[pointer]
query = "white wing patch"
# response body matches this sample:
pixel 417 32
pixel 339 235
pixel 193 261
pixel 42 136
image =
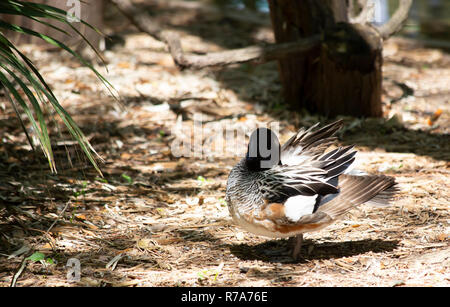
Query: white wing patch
pixel 297 206
pixel 292 155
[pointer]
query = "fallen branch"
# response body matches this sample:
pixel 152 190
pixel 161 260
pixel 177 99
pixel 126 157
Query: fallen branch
pixel 259 54
pixel 395 23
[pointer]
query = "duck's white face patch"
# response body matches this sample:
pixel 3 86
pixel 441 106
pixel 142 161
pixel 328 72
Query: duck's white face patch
pixel 297 206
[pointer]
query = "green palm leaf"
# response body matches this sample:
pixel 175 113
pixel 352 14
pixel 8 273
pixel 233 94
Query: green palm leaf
pixel 18 72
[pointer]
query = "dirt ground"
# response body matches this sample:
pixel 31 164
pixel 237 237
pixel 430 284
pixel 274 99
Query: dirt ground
pixel 156 219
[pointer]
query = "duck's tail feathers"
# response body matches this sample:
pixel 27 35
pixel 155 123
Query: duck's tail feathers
pixel 383 199
pixel 356 190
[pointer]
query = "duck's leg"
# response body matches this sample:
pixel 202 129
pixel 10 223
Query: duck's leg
pixel 297 246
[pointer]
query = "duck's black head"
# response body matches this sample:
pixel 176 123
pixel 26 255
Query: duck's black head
pixel 263 150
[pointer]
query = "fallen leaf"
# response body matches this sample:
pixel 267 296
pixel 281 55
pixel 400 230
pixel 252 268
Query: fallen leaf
pixel 124 65
pixel 442 237
pixel 434 117
pixel 80 216
pixel 125 156
pixel 46 246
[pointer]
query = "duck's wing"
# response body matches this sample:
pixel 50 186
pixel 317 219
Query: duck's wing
pixel 308 144
pixel 282 182
pixel 313 177
pixel 354 190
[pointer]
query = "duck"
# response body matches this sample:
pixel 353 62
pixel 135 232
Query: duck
pixel 304 185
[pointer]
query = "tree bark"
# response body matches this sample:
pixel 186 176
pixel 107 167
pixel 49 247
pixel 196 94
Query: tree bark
pixel 343 75
pixel 91 12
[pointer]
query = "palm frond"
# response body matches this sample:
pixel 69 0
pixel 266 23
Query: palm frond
pixel 24 84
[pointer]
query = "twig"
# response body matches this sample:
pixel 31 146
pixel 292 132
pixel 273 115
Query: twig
pixel 113 263
pixel 57 219
pixel 21 268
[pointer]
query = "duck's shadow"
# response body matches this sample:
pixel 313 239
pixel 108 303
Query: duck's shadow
pixel 279 250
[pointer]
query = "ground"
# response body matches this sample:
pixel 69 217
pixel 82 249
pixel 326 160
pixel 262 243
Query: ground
pixel 158 219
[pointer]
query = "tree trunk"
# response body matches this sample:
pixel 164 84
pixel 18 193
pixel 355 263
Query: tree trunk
pixel 91 12
pixel 343 75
